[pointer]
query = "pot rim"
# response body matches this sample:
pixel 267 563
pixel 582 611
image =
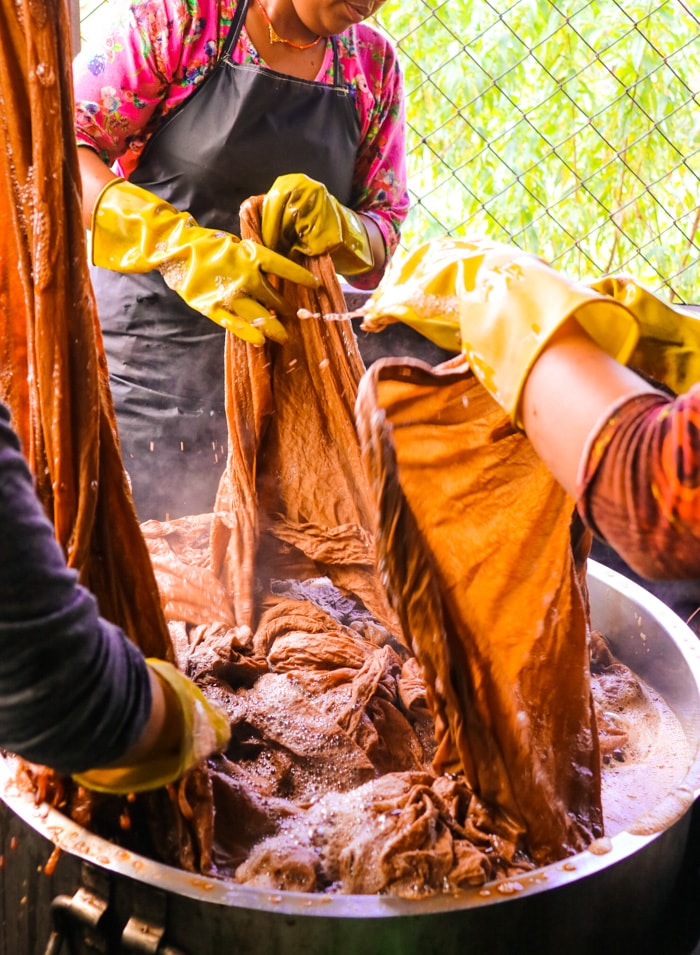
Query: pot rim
pixel 78 841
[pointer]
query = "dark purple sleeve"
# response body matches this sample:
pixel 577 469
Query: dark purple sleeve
pixel 74 691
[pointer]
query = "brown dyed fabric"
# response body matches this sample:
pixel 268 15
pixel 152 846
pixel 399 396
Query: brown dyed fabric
pixel 53 374
pixel 327 781
pixel 393 836
pixel 326 707
pixel 474 535
pixel 294 499
pixel 354 766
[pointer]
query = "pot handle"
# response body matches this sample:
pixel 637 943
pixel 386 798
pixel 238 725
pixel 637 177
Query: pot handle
pixel 85 910
pixel 142 936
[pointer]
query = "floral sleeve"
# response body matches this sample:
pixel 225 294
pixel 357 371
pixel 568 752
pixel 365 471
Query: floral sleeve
pixel 151 54
pixel 137 67
pixel 380 186
pixel 639 488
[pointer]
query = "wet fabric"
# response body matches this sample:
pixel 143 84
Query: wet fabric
pixel 327 782
pixel 325 698
pixel 393 836
pixel 475 540
pixel 294 500
pixel 52 368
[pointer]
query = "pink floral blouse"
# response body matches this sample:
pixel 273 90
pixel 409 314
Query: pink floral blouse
pixel 153 53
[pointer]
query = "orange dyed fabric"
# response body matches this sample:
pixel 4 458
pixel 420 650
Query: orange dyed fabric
pixel 475 542
pixel 53 374
pixel 294 500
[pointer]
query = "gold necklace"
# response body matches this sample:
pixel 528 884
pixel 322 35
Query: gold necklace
pixel 276 38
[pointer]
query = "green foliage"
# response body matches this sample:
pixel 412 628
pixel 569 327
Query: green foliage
pixel 569 128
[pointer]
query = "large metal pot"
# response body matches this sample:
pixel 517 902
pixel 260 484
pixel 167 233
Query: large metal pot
pixel 110 900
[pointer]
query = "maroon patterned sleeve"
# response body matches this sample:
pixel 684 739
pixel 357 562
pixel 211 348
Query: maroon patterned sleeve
pixel 639 486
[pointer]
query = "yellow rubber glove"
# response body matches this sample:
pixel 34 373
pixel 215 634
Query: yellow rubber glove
pixel 423 290
pixel 216 273
pixel 202 729
pixel 668 349
pixel 499 306
pixel 300 215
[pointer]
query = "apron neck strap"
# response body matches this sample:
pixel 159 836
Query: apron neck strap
pixel 235 30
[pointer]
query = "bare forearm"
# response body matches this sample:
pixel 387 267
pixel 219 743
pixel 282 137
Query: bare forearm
pixel 150 739
pixel 95 175
pixel 566 395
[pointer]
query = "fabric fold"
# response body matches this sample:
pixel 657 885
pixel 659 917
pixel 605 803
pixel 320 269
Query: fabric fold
pixel 474 537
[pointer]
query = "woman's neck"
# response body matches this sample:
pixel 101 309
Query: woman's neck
pixel 282 40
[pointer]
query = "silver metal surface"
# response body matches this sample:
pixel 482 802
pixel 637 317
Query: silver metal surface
pixel 590 902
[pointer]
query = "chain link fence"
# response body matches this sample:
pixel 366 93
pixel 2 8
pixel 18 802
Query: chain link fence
pixel 568 127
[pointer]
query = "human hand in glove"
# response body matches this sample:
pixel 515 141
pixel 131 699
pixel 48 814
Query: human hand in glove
pixel 215 272
pixel 499 306
pixel 668 349
pixel 300 215
pixel 193 728
pixel 423 291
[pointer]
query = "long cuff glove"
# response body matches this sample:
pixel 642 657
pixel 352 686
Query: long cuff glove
pixel 203 729
pixel 668 349
pixel 423 291
pixel 497 305
pixel 216 273
pixel 300 215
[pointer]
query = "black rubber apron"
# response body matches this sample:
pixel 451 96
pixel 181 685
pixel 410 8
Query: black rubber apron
pixel 244 126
